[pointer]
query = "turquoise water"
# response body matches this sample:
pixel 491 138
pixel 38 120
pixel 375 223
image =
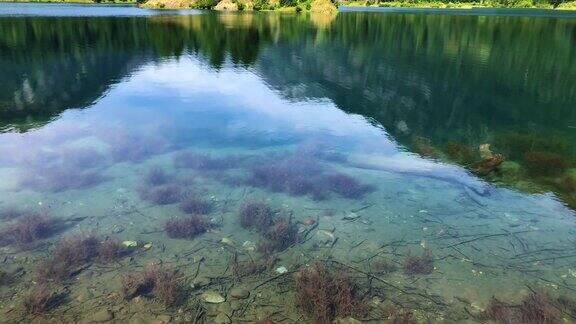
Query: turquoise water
pixel 342 124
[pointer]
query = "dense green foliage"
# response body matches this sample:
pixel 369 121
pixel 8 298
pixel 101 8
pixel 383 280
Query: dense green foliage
pixel 466 3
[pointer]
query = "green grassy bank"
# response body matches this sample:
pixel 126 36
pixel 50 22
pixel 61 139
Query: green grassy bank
pixel 541 4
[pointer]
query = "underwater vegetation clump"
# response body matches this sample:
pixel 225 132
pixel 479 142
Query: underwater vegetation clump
pixel 246 268
pixel 163 283
pixel 324 295
pixel 192 204
pixel 111 249
pixel 280 236
pixel 205 162
pixel 126 147
pixel 423 147
pixel 41 299
pixel 399 315
pixel 537 307
pixel 382 266
pixel 294 176
pixel 419 265
pixel 70 253
pixel 186 228
pixel 28 229
pixel 155 176
pixel 10 213
pixel 461 153
pixel 545 163
pixel 347 186
pixel 73 252
pixel 69 169
pixel 516 144
pixel 62 178
pixel 300 176
pixel 165 194
pixel 256 215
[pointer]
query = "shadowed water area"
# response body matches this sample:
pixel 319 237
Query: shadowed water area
pixel 198 167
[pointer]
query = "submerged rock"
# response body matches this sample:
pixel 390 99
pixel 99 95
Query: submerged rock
pixel 239 293
pixel 103 315
pixel 281 270
pixel 351 217
pixel 227 241
pixel 212 297
pixel 130 244
pixel 489 162
pixel 325 237
pixel 222 318
pixel 249 246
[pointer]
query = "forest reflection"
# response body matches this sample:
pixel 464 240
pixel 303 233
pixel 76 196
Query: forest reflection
pixel 441 85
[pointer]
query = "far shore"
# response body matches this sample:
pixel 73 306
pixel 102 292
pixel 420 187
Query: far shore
pixel 345 6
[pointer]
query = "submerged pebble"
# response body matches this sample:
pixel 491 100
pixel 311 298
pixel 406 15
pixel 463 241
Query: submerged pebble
pixel 281 270
pixel 249 246
pixel 103 315
pixel 130 243
pixel 325 237
pixel 227 241
pixel 239 293
pixel 351 216
pixel 222 318
pixel 212 297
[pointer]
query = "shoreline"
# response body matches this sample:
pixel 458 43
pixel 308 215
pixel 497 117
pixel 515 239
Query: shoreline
pixel 395 6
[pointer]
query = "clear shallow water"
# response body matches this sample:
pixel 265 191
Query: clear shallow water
pixel 286 110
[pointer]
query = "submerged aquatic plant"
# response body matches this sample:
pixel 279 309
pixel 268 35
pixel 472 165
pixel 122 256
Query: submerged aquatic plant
pixel 299 176
pixel 41 299
pixel 383 266
pixel 498 312
pixel 187 227
pixel 245 268
pixel 168 287
pixel 76 249
pixel 133 147
pixel 155 176
pixel 162 195
pixel 61 178
pixel 165 284
pixel 11 212
pixel 396 315
pixel 417 265
pixel 82 158
pixel 545 163
pixel 537 307
pixel 324 295
pixel 111 249
pixel 72 252
pixel 280 236
pixel 192 204
pixel 461 153
pixel 346 186
pixel 28 229
pixel 256 215
pixel 295 176
pixel 205 162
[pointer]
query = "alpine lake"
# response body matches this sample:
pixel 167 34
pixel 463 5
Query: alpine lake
pixel 401 166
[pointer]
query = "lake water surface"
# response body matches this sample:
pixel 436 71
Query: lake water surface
pixel 368 133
